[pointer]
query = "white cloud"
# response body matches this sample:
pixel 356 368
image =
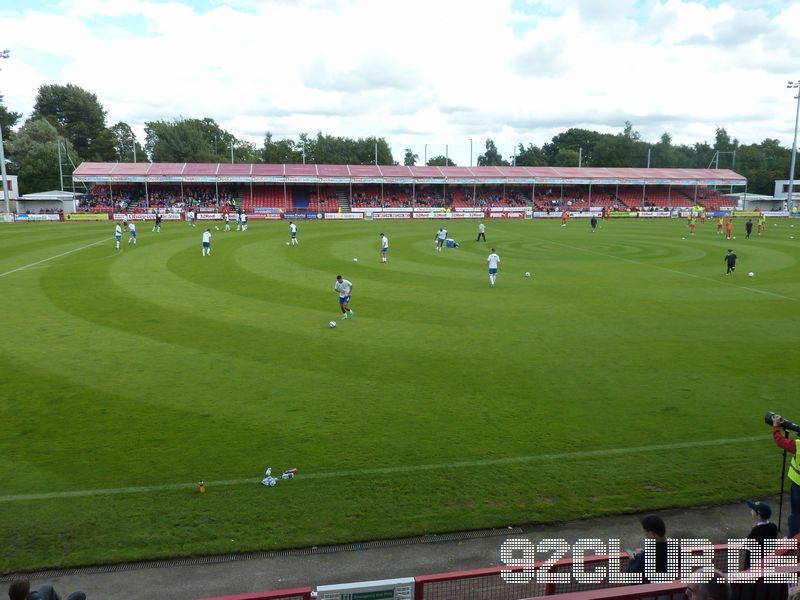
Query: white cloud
pixel 420 72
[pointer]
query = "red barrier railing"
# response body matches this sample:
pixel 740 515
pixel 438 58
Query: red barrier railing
pixel 662 591
pixel 303 593
pixel 476 583
pixel 676 591
pixel 490 584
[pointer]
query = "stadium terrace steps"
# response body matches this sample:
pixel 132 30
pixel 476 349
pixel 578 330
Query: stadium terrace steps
pixel 266 197
pixel 343 201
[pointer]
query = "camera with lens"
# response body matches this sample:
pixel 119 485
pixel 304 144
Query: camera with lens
pixel 785 424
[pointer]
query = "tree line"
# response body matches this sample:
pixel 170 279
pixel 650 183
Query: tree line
pixel 77 118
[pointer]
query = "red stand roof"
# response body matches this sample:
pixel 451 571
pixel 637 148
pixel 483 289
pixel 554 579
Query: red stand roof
pixel 344 174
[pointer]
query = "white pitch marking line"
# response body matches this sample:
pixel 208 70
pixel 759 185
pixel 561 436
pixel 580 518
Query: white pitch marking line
pixel 636 262
pixel 38 262
pixel 489 462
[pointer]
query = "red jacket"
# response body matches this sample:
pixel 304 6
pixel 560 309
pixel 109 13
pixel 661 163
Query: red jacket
pixel 784 443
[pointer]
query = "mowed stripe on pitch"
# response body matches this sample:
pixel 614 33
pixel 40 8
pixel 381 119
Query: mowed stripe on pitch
pixel 490 462
pixel 38 262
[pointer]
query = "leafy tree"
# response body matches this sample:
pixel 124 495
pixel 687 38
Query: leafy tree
pixel 178 141
pixel 125 142
pixel 78 116
pixel 703 153
pixel 34 156
pixel 582 141
pixel 532 156
pixel 221 140
pixel 629 133
pixel 630 150
pixel 306 146
pixel 103 146
pixel 762 164
pixel 245 152
pixel 440 161
pixel 410 158
pixel 8 119
pixel 279 152
pixel 39 172
pixel 609 152
pixel 723 142
pixel 326 149
pixel 491 158
pixel 567 158
pixel 366 151
pixel 35 132
pixel 188 140
pixel 662 153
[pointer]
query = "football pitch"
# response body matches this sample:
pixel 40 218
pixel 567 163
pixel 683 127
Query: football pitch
pixel 628 373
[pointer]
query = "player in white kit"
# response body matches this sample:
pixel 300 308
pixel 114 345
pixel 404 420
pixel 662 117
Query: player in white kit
pixel 343 286
pixel 441 236
pixel 493 262
pixel 384 247
pixel 207 242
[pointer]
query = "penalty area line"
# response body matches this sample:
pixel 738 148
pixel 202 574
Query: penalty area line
pixel 489 462
pixel 38 262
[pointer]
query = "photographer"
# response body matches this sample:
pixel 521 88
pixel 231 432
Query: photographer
pixel 789 446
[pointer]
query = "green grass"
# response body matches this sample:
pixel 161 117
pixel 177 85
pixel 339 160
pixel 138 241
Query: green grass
pixel 154 366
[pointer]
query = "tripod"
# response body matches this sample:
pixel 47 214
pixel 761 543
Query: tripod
pixel 783 482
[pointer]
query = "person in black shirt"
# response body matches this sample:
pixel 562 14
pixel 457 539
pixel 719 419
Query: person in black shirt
pixel 763 529
pixel 654 528
pixel 748 227
pixel 730 258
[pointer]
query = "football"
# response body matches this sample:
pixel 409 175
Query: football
pixel 332 324
pixel 355 260
pixel 287 243
pixel 527 274
pixel 751 274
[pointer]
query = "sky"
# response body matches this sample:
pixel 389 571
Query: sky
pixel 424 74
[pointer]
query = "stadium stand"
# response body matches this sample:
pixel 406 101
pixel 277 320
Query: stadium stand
pixel 477 197
pixel 266 197
pixel 323 200
pixel 711 199
pixel 133 198
pixel 331 188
